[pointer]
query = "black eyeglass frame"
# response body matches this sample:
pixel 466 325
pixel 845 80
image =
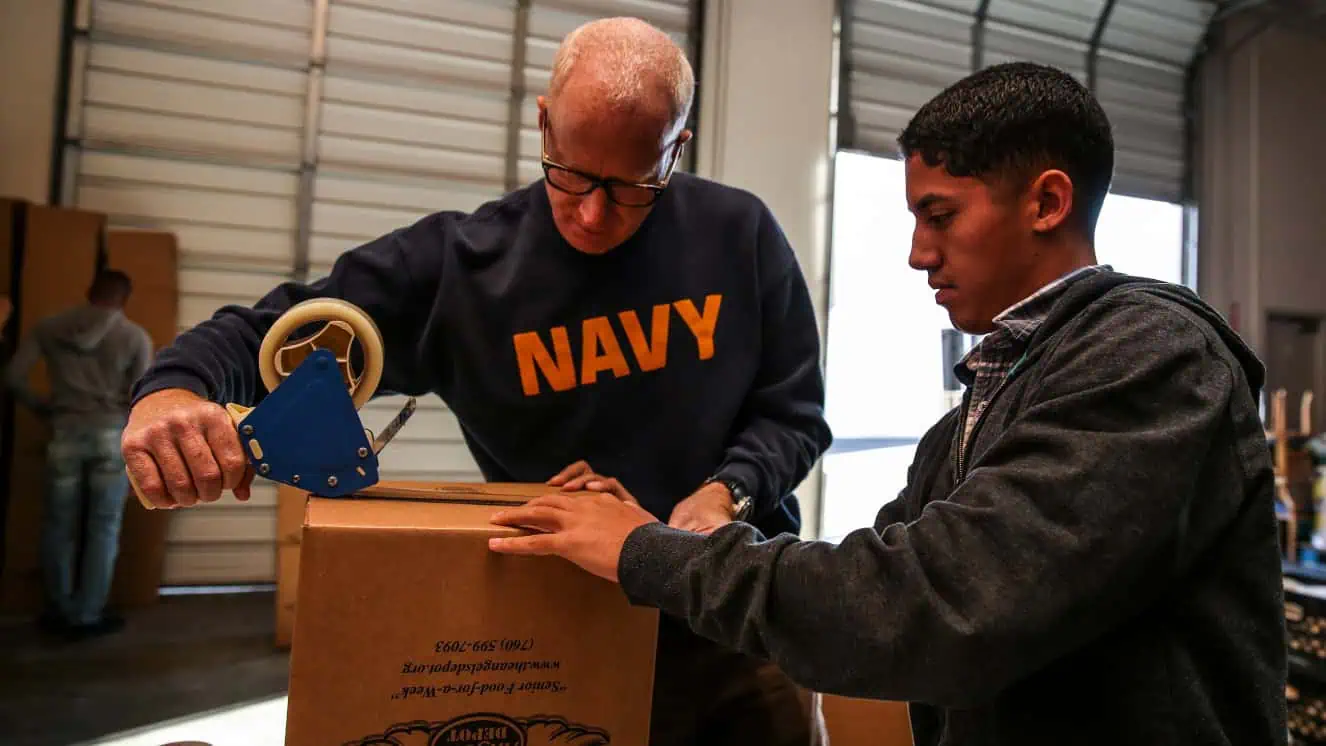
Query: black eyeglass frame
pixel 655 188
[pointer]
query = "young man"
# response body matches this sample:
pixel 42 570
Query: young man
pixel 1085 551
pixel 93 355
pixel 653 325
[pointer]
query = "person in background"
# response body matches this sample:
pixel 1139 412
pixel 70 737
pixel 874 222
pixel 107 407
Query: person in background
pixel 1085 551
pixel 93 355
pixel 616 316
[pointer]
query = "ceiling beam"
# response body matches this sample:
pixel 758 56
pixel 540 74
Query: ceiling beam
pixel 978 35
pixel 1093 46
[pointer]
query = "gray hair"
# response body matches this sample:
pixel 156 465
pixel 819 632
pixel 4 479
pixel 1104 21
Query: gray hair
pixel 630 57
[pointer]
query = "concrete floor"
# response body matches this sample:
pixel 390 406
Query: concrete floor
pixel 185 656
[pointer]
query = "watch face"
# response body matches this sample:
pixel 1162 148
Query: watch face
pixel 743 508
pixel 741 499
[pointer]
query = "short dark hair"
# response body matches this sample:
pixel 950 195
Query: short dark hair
pixel 1012 121
pixel 111 285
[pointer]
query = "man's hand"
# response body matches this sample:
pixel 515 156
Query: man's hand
pixel 588 529
pixel 573 477
pixel 181 450
pixel 708 509
pixel 581 476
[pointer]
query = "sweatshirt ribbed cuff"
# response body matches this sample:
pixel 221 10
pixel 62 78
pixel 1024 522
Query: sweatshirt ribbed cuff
pixel 170 380
pixel 749 476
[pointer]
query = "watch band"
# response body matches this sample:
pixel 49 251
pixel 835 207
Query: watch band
pixel 742 501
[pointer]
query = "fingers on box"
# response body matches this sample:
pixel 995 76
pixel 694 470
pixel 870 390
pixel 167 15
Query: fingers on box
pixel 577 471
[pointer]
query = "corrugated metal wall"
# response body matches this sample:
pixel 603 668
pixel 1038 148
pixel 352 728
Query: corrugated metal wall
pixel 1133 54
pixel 1262 156
pixel 271 135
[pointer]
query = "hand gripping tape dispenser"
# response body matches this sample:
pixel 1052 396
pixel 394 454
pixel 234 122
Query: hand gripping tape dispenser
pixel 306 432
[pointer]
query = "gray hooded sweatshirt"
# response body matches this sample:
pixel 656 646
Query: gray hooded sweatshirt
pixel 93 356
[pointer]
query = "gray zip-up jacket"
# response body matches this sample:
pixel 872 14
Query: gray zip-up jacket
pixel 93 356
pixel 1104 571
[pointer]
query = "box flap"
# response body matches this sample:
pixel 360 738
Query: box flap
pixel 427 506
pixel 487 493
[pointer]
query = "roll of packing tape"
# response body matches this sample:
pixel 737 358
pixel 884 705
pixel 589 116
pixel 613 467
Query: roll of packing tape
pixel 328 310
pixel 275 344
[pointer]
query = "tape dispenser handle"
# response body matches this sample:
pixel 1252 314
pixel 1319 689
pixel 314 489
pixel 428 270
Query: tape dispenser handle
pixel 275 343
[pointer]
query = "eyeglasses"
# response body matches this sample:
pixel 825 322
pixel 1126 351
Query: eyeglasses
pixel 579 183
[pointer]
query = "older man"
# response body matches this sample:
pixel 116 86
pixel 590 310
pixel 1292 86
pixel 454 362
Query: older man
pixel 616 314
pixel 1085 551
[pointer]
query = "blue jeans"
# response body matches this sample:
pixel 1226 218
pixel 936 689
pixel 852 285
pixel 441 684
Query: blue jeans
pixel 85 482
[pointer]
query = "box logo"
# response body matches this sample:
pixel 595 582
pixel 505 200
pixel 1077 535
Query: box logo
pixel 480 730
pixel 489 729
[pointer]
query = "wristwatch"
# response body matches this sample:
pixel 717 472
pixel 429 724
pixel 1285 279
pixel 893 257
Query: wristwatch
pixel 742 502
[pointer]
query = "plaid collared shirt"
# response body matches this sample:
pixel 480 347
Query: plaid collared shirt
pixel 985 367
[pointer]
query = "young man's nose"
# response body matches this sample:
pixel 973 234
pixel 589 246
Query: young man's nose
pixel 923 256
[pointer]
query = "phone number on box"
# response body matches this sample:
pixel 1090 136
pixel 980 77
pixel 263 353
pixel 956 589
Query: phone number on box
pixel 483 646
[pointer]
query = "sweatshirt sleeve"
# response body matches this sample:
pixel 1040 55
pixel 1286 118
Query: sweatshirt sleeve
pixel 1069 524
pixel 781 430
pixel 20 367
pixel 391 278
pixel 141 355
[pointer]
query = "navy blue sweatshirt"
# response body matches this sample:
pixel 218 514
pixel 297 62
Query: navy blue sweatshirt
pixel 690 350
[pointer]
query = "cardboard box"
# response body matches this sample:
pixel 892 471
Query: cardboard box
pixel 55 250
pixel 290 506
pixel 290 503
pixel 410 630
pixel 287 581
pixel 865 722
pixel 150 258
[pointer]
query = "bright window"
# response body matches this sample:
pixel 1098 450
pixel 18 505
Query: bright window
pixel 1142 237
pixel 885 364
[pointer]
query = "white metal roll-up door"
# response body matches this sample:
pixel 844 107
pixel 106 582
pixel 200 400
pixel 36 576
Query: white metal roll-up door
pixel 897 54
pixel 412 119
pixel 187 116
pixel 272 135
pixel 1140 81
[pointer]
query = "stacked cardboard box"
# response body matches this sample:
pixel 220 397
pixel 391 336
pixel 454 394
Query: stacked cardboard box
pixel 56 251
pixel 151 259
pixel 48 256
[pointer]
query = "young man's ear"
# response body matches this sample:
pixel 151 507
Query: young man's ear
pixel 1050 200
